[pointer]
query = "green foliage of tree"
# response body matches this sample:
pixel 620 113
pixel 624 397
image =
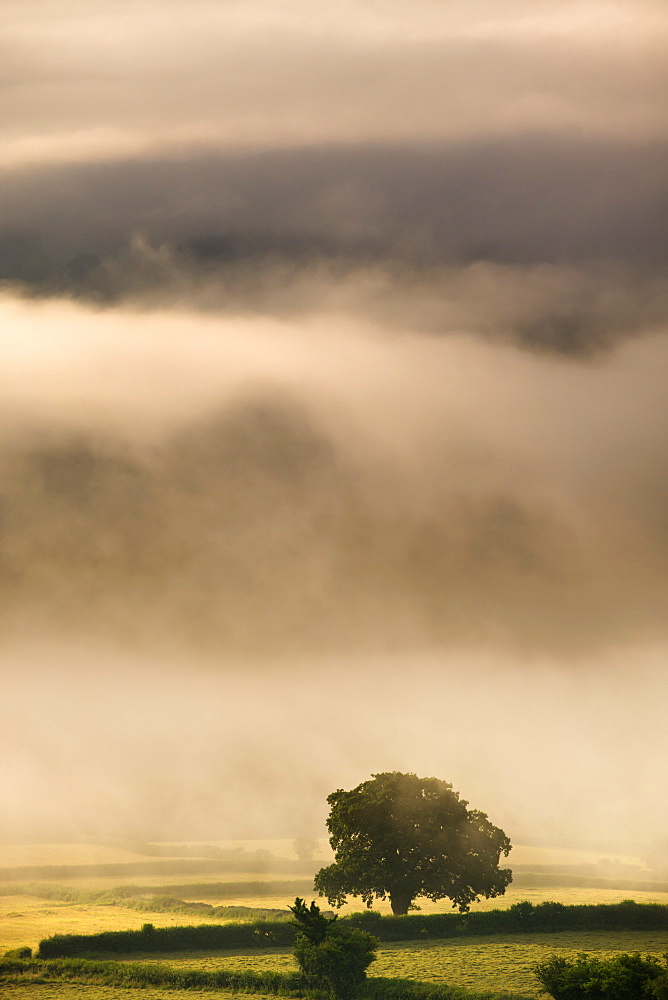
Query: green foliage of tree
pixel 624 977
pixel 331 957
pixel 401 836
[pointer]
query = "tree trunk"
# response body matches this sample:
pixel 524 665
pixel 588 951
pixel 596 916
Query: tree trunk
pixel 400 901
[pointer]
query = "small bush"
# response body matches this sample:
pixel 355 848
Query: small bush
pixel 331 956
pixel 660 986
pixel 624 977
pixel 337 964
pixel 19 953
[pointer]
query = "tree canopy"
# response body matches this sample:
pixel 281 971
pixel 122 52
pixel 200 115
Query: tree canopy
pixel 400 836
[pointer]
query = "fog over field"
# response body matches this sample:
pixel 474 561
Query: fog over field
pixel 333 413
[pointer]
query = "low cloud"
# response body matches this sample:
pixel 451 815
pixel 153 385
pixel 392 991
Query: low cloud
pixel 333 398
pixel 553 243
pixel 93 81
pixel 284 486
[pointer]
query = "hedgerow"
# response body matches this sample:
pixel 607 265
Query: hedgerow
pixel 522 918
pixel 207 937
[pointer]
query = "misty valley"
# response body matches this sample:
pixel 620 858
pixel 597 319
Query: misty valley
pixel 226 910
pixel 333 469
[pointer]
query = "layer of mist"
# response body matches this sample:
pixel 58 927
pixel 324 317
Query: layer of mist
pixel 332 413
pixel 262 487
pixel 108 744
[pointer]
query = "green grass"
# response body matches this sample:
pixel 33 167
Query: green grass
pixel 498 965
pixel 25 920
pixel 490 963
pixel 82 991
pixel 501 962
pixel 569 895
pixel 504 962
pixel 200 981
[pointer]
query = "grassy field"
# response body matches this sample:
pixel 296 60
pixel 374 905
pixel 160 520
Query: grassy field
pixel 514 894
pixel 79 991
pixel 499 962
pixel 25 920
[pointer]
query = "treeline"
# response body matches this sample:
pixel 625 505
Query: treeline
pixel 544 878
pixel 212 890
pixel 129 898
pixel 121 893
pixel 567 880
pixel 175 866
pixel 521 918
pixel 286 984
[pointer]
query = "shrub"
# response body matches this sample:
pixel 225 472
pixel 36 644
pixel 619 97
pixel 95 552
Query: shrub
pixel 660 986
pixel 331 956
pixel 19 953
pixel 338 963
pixel 624 977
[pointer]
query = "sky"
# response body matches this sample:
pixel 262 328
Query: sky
pixel 332 413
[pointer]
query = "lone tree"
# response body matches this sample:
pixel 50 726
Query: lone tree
pixel 401 836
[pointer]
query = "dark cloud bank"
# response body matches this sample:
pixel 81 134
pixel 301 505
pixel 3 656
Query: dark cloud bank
pixel 556 242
